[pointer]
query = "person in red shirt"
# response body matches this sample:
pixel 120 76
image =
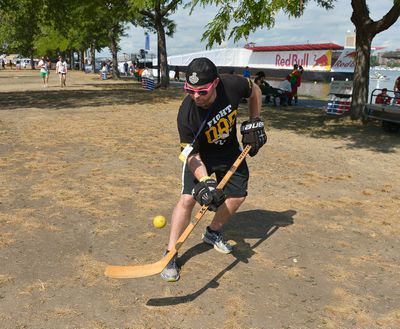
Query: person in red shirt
pixel 383 97
pixel 396 89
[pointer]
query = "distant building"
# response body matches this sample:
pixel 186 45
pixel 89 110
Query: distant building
pixel 390 58
pixel 350 40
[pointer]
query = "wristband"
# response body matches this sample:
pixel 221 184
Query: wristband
pixel 204 178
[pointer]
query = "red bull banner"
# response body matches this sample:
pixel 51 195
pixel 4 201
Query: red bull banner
pixel 313 60
pixel 345 62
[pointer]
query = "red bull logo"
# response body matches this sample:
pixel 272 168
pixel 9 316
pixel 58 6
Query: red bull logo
pixel 353 54
pixel 291 59
pixel 344 64
pixel 346 61
pixel 321 61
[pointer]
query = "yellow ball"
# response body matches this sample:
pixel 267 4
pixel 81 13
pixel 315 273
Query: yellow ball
pixel 159 221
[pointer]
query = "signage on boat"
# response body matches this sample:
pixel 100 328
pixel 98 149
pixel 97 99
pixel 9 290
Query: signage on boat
pixel 313 60
pixel 345 62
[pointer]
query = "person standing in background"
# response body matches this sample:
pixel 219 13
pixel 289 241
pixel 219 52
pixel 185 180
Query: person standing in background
pixel 295 81
pixel 246 72
pixel 61 69
pixel 396 90
pixel 44 71
pixel 126 68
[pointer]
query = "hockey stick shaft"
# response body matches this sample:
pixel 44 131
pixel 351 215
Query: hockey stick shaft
pixel 138 271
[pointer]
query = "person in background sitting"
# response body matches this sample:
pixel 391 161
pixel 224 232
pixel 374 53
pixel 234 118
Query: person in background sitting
pixel 383 97
pixel 266 89
pixel 286 87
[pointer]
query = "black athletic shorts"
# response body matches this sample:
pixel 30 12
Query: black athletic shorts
pixel 235 187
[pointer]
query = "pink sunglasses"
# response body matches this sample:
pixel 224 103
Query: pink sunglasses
pixel 201 92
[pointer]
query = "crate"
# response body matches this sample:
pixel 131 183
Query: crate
pixel 338 106
pixel 148 83
pixel 340 101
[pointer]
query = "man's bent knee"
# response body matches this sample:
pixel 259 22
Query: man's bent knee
pixel 237 201
pixel 187 201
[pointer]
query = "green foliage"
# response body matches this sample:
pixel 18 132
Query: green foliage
pixel 154 16
pixel 239 18
pixel 393 63
pixel 148 23
pixel 49 41
pixel 22 18
pixel 50 26
pixel 374 61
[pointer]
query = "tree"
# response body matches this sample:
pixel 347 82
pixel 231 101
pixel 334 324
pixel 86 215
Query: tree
pixel 366 30
pixel 99 23
pixel 22 19
pixel 243 17
pixel 163 28
pixel 86 24
pixel 156 13
pixel 89 24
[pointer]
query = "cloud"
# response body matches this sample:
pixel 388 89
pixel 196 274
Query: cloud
pixel 317 25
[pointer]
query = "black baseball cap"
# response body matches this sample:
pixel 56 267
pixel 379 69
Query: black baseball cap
pixel 201 71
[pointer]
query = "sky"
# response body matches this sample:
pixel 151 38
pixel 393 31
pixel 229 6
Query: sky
pixel 317 25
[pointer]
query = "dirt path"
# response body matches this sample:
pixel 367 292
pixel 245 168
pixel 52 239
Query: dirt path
pixel 85 169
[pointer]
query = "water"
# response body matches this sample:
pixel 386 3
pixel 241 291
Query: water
pixel 389 84
pixel 320 90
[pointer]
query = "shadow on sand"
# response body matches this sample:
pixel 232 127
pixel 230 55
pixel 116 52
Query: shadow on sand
pixel 312 120
pixel 252 224
pixel 126 93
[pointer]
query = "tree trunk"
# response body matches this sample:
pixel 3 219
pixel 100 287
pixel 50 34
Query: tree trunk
pixel 32 61
pixel 93 56
pixel 114 53
pixel 162 47
pixel 361 73
pixel 366 29
pixel 83 57
pixel 158 66
pixel 71 59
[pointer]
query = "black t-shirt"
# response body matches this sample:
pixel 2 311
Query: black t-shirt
pixel 218 136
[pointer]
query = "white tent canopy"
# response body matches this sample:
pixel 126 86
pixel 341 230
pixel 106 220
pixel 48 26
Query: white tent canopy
pixel 311 60
pixel 236 57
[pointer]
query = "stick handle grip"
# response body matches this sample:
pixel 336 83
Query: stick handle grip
pixel 233 168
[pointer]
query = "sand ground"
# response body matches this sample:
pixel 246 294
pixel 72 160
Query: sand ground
pixel 84 170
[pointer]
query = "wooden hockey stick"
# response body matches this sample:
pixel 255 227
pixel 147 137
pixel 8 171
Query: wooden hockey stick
pixel 139 271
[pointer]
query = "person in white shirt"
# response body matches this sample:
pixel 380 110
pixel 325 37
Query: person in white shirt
pixel 286 88
pixel 44 71
pixel 61 69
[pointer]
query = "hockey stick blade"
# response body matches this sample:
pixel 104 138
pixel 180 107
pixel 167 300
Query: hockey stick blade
pixel 136 271
pixel 139 271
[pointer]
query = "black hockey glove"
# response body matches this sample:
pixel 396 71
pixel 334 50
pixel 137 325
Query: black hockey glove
pixel 253 134
pixel 206 193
